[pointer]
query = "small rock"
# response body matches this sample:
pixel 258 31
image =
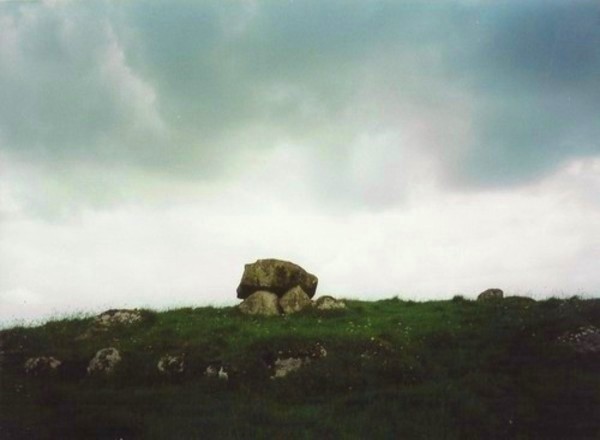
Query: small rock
pixel 285 366
pixel 117 316
pixel 41 365
pixel 490 294
pixel 217 370
pixel 105 361
pixel 287 361
pixel 260 303
pixel 277 276
pixel 317 351
pixel 584 340
pixel 114 317
pixel 294 300
pixel 329 303
pixel 171 365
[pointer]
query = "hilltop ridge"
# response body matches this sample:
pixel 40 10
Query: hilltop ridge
pixel 508 368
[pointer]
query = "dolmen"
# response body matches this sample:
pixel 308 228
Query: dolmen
pixel 275 287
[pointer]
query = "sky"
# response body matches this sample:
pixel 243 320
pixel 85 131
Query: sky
pixel 149 149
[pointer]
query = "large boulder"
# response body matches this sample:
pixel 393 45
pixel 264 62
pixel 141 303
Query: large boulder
pixel 490 294
pixel 277 276
pixel 294 300
pixel 260 303
pixel 105 361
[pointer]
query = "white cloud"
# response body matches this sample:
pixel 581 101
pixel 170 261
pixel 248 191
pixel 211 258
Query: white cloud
pixel 538 240
pixel 149 150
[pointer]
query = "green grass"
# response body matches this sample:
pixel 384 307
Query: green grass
pixel 453 369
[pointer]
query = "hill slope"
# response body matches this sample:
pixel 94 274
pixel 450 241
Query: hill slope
pixel 389 369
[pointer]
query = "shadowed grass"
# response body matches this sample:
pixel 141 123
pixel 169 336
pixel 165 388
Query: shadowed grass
pixel 394 369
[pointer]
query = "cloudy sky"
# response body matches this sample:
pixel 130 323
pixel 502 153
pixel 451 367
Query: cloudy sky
pixel 148 149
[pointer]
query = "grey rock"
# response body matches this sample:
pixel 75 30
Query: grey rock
pixel 490 294
pixel 117 316
pixel 41 365
pixel 584 340
pixel 260 303
pixel 105 361
pixel 218 371
pixel 290 360
pixel 294 300
pixel 329 303
pixel 276 276
pixel 171 365
pixel 285 366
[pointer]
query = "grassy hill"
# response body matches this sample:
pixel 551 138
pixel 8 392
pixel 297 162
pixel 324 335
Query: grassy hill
pixel 454 369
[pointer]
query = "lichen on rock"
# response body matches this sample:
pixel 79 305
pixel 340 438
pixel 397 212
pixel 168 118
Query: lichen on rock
pixel 327 302
pixel 260 303
pixel 276 276
pixel 490 295
pixel 584 340
pixel 171 365
pixel 294 300
pixel 41 365
pixel 118 316
pixel 105 361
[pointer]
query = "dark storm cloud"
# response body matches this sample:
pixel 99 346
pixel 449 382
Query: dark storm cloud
pixel 538 78
pixel 183 87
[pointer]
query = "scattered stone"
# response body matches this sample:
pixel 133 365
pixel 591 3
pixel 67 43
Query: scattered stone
pixel 490 294
pixel 171 365
pixel 294 300
pixel 217 370
pixel 277 276
pixel 118 316
pixel 41 366
pixel 585 340
pixel 329 303
pixel 287 361
pixel 285 366
pixel 260 303
pixel 105 361
pixel 114 317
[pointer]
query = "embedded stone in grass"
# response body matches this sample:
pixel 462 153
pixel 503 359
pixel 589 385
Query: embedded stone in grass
pixel 490 294
pixel 118 316
pixel 585 340
pixel 288 361
pixel 41 365
pixel 105 361
pixel 113 317
pixel 294 300
pixel 217 370
pixel 171 365
pixel 285 366
pixel 260 303
pixel 327 302
pixel 276 276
